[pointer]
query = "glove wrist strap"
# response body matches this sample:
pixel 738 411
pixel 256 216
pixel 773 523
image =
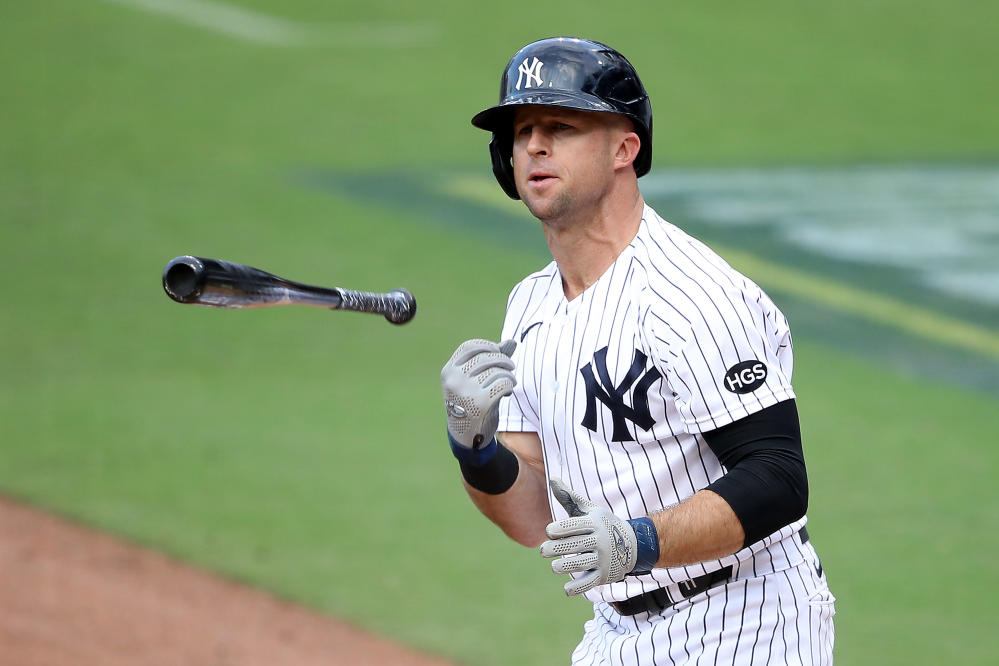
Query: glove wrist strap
pixel 648 545
pixel 472 457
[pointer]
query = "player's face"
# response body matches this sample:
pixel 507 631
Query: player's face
pixel 563 160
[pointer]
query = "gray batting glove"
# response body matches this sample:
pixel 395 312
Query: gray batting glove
pixel 478 374
pixel 591 539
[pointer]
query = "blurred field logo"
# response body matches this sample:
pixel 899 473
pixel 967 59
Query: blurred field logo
pixel 532 71
pixel 937 225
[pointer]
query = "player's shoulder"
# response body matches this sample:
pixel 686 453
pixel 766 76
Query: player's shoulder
pixel 680 261
pixel 678 254
pixel 688 280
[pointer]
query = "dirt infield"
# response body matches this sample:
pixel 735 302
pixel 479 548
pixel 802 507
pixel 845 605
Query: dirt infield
pixel 69 595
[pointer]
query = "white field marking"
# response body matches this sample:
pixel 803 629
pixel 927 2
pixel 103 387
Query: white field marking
pixel 260 28
pixel 762 200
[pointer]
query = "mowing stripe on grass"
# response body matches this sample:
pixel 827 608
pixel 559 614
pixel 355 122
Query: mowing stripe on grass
pixel 377 33
pixel 879 308
pixel 260 28
pixel 227 19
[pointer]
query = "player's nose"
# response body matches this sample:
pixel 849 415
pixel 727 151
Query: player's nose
pixel 539 143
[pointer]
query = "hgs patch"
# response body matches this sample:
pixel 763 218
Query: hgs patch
pixel 745 377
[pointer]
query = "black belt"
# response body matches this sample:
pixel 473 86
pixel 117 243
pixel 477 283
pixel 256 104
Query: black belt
pixel 661 599
pixel 657 600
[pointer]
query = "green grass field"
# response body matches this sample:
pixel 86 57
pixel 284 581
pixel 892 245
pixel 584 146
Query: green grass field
pixel 303 451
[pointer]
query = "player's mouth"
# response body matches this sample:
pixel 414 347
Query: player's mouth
pixel 540 178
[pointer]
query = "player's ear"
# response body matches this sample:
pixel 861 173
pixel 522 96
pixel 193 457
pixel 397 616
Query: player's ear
pixel 627 144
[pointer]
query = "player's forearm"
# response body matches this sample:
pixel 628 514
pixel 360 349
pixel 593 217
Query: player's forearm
pixel 522 512
pixel 704 527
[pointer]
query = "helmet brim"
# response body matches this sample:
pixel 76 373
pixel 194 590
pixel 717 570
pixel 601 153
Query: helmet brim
pixel 498 119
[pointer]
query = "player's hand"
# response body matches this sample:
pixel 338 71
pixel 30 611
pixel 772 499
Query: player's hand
pixel 477 375
pixel 591 539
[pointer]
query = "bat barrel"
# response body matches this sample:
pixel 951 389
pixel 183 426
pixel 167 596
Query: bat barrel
pixel 184 278
pixel 223 284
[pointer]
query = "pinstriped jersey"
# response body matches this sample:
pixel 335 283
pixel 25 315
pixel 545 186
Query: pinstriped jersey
pixel 621 382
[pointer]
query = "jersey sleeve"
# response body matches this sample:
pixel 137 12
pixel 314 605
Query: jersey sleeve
pixel 726 355
pixel 515 412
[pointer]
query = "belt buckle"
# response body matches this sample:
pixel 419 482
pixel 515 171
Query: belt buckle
pixel 689 588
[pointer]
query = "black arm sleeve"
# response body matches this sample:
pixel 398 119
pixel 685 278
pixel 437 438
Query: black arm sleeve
pixel 766 484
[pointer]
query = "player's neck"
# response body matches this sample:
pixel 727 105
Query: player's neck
pixel 585 247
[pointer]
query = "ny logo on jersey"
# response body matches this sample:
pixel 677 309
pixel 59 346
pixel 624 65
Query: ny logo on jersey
pixel 613 396
pixel 532 71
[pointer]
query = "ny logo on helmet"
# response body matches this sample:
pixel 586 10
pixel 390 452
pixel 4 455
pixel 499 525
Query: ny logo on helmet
pixel 532 71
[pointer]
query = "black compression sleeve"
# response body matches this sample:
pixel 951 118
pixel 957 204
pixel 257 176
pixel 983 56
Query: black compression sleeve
pixel 497 475
pixel 766 484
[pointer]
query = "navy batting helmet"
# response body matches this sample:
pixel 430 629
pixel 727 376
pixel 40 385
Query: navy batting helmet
pixel 572 73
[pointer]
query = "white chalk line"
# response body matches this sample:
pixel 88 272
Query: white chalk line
pixel 264 29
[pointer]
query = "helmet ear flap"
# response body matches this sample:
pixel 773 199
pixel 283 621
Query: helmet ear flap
pixel 501 152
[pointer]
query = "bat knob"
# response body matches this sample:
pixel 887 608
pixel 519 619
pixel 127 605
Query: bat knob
pixel 404 307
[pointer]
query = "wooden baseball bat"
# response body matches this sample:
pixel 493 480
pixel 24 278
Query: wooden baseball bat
pixel 224 284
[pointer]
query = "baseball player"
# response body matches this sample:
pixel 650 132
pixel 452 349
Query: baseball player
pixel 637 421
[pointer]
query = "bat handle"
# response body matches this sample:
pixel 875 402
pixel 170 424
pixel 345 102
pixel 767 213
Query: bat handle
pixel 398 305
